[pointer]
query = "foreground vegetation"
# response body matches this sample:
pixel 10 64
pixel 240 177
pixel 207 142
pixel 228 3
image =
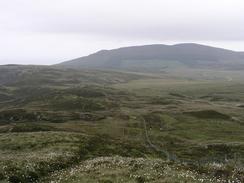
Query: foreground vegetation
pixel 72 126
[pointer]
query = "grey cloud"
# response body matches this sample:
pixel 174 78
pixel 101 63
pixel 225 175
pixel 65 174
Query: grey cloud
pixel 89 24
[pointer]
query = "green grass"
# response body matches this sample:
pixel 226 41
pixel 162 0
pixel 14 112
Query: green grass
pixel 208 114
pixel 72 119
pixel 25 157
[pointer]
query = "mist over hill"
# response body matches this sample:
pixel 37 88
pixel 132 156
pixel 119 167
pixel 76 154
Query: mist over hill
pixel 159 57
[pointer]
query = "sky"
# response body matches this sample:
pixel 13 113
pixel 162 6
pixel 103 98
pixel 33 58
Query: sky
pixel 52 31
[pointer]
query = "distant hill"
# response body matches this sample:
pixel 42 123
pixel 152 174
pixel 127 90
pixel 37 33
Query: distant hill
pixel 30 75
pixel 159 57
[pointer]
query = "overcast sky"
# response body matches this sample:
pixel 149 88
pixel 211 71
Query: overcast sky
pixel 51 31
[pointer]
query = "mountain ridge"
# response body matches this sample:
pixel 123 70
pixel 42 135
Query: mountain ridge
pixel 188 54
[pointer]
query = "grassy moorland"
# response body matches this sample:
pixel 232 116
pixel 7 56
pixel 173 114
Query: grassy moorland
pixel 59 125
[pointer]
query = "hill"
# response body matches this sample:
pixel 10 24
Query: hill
pixel 34 75
pixel 160 57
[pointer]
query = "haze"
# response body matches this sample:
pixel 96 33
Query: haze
pixel 48 32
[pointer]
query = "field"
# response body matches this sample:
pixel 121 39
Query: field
pixel 69 126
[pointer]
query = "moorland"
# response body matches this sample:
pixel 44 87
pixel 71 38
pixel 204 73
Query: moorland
pixel 70 125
